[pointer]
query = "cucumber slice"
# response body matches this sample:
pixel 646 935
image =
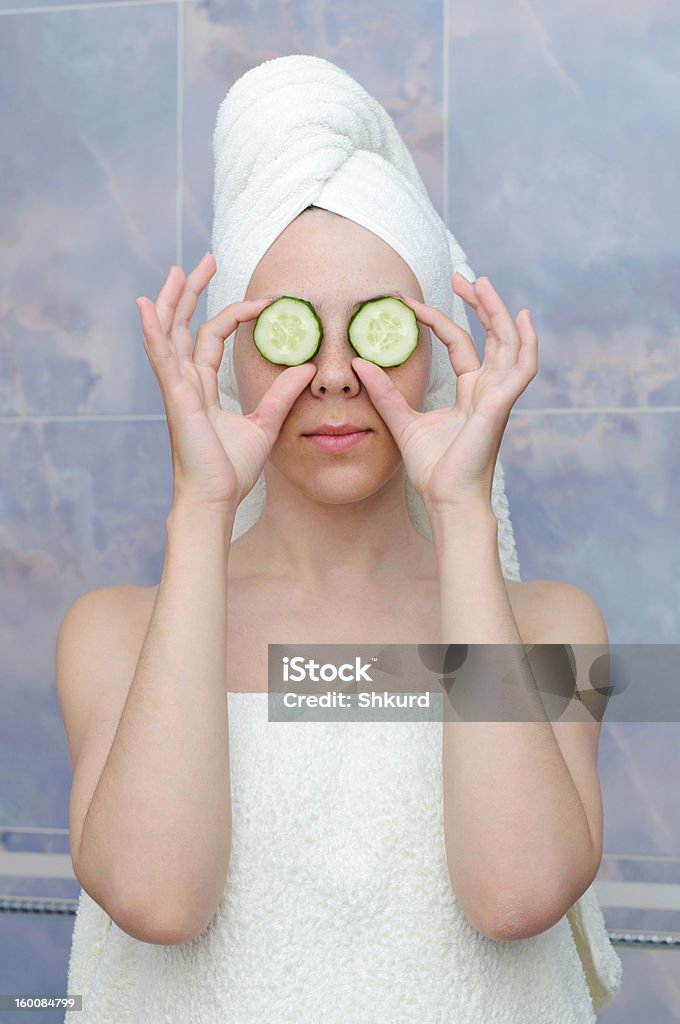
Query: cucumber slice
pixel 384 331
pixel 288 331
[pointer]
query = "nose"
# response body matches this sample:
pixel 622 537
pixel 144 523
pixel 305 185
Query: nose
pixel 334 373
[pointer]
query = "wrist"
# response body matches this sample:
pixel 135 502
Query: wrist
pixel 462 521
pixel 474 511
pixel 185 510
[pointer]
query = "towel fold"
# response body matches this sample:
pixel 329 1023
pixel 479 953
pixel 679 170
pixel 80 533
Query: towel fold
pixel 602 965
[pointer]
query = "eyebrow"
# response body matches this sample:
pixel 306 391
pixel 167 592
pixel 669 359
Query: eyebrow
pixel 350 307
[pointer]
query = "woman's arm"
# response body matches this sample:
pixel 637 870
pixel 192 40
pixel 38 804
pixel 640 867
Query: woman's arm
pixel 518 839
pixel 518 842
pixel 157 833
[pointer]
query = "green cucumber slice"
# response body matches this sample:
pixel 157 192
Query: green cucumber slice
pixel 384 331
pixel 288 331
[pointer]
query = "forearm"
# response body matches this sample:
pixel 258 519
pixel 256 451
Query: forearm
pixel 514 822
pixel 159 823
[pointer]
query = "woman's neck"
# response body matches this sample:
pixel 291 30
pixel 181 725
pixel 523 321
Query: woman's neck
pixel 339 545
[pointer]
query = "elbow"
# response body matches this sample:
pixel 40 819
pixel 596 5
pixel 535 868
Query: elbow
pixel 159 918
pixel 137 920
pixel 168 914
pixel 504 908
pixel 518 921
pixel 536 909
pixel 164 924
pixel 529 914
pixel 504 916
pixel 175 913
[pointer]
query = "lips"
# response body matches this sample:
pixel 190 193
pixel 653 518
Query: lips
pixel 338 442
pixel 331 429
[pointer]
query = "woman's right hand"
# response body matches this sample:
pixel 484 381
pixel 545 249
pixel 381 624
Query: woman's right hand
pixel 217 455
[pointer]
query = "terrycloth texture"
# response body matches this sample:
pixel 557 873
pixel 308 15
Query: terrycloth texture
pixel 338 907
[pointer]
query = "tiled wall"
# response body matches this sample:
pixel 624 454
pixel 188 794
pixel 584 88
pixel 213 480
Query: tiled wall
pixel 547 135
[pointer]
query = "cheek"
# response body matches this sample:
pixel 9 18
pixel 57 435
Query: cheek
pixel 253 374
pixel 412 377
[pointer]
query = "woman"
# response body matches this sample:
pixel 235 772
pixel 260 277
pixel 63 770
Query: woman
pixel 359 872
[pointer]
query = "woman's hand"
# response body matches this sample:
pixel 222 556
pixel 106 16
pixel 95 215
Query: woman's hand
pixel 217 454
pixel 450 453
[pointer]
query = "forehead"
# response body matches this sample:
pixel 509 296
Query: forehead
pixel 331 260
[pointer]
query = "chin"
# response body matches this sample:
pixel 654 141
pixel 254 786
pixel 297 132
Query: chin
pixel 340 495
pixel 335 478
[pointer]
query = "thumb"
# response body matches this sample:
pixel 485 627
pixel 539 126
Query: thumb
pixel 385 395
pixel 279 397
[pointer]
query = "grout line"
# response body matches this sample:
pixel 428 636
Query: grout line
pixel 46 830
pixel 91 5
pixel 160 417
pixel 105 418
pixel 660 858
pixel 585 410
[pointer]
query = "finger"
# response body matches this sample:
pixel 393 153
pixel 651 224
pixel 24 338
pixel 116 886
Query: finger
pixel 504 354
pixel 279 397
pixel 168 297
pixel 212 334
pixel 466 290
pixel 459 343
pixel 210 338
pixel 180 330
pixel 157 345
pixel 385 395
pixel 527 361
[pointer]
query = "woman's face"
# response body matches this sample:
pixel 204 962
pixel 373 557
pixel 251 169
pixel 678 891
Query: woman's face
pixel 333 263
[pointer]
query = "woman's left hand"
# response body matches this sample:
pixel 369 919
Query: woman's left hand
pixel 450 453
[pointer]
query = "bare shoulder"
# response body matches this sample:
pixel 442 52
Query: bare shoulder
pixel 523 597
pixel 107 605
pixel 143 598
pixel 104 619
pixel 554 611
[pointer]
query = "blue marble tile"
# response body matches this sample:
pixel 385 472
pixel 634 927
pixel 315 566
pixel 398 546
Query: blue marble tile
pixel 593 499
pixel 14 8
pixel 89 193
pixel 563 186
pixel 87 508
pixel 642 810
